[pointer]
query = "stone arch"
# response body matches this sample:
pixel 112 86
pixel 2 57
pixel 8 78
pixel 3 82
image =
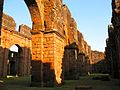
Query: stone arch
pixel 15 61
pixel 36 11
pixel 24 45
pixel 11 37
pixel 41 39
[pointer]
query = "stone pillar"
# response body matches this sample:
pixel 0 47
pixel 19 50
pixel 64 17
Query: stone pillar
pixel 37 60
pixel 81 59
pixel 24 62
pixel 58 57
pixel 47 66
pixel 70 62
pixel 28 61
pixel 48 59
pixel 47 44
pixel 1 61
pixel 5 58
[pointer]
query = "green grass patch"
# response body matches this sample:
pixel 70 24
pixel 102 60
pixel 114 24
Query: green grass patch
pixel 23 83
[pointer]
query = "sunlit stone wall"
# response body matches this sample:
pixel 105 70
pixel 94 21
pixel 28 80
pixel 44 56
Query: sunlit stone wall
pixel 10 37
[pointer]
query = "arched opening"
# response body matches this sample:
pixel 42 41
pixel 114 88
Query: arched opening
pixel 14 59
pixel 35 8
pixel 25 11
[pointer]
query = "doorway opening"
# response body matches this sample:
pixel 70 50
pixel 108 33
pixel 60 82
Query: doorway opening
pixel 14 60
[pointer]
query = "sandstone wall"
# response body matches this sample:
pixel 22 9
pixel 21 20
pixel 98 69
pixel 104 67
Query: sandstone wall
pixel 56 42
pixel 99 63
pixel 53 19
pixel 36 9
pixel 9 37
pixel 8 22
pixel 97 56
pixel 74 43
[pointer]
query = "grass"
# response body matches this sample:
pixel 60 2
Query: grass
pixel 23 83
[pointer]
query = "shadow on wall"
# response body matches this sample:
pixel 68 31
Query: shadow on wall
pixel 1 49
pixel 69 62
pixel 42 74
pixel 101 67
pixel 75 64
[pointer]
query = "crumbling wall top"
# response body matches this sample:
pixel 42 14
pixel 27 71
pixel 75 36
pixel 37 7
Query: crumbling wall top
pixel 8 22
pixel 25 30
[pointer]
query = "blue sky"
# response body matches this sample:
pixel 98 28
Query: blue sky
pixel 92 17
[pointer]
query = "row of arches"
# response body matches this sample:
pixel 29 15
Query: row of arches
pixel 38 24
pixel 16 59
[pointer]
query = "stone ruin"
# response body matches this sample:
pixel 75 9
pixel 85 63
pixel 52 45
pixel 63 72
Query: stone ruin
pixel 56 47
pixel 59 50
pixel 99 63
pixel 20 65
pixel 112 49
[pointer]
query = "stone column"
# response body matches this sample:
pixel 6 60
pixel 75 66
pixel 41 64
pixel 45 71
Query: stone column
pixel 37 59
pixel 70 62
pixel 1 61
pixel 81 59
pixel 5 59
